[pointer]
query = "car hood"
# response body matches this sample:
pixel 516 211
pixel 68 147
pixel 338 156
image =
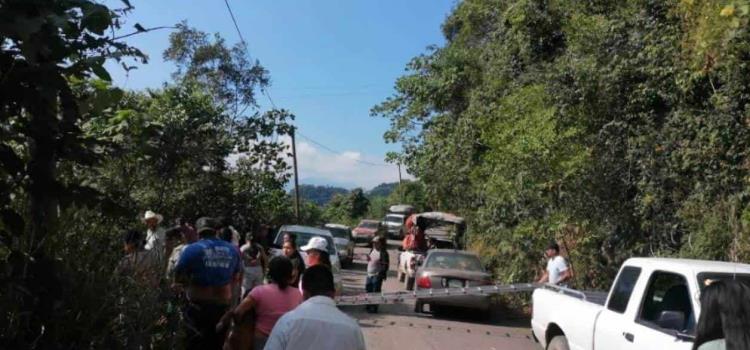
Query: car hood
pixel 455 273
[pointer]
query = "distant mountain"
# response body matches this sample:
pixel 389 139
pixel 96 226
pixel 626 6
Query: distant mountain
pixel 382 190
pixel 319 195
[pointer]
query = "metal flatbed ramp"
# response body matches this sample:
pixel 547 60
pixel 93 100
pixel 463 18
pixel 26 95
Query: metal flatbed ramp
pixel 402 296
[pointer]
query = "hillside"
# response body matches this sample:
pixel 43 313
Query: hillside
pixel 320 195
pixel 382 190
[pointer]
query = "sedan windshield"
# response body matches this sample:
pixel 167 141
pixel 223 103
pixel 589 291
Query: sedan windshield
pixel 303 238
pixel 453 261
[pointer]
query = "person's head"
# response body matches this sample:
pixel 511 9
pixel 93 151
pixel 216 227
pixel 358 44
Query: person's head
pixel 288 236
pixel 280 271
pixel 317 251
pixel 318 281
pixel 725 314
pixel 552 250
pixel 288 249
pixel 378 243
pixel 225 233
pixel 132 241
pixel 174 237
pixel 207 227
pixel 152 219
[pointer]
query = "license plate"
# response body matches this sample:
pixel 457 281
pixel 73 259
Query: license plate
pixel 455 283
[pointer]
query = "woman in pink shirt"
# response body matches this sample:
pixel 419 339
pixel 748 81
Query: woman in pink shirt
pixel 270 301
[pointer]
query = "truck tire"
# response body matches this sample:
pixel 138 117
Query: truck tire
pixel 559 342
pixel 409 283
pixel 419 306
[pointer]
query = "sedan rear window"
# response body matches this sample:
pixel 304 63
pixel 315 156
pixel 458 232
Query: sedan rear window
pixel 369 224
pixel 453 261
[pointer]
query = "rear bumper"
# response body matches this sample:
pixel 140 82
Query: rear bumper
pixel 478 302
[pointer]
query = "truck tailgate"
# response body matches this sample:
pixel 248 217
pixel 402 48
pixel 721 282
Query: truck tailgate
pixel 573 315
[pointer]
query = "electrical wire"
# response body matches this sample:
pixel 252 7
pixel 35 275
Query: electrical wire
pixel 268 95
pixel 329 149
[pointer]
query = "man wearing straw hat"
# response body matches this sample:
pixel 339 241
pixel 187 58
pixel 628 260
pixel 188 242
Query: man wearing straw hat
pixel 155 234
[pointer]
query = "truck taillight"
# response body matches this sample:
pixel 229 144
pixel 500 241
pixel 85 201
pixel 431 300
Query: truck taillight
pixel 424 282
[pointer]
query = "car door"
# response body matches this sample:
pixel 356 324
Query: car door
pixel 612 330
pixel 667 292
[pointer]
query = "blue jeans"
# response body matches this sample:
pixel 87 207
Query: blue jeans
pixel 373 284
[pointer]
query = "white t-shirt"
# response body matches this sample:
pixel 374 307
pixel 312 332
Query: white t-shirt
pixel 373 266
pixel 555 267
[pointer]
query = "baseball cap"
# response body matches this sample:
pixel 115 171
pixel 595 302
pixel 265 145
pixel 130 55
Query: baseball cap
pixel 206 224
pixel 316 243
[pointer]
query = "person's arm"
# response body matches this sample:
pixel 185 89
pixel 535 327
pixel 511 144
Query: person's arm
pixel 245 306
pixel 544 278
pixel 565 276
pixel 263 259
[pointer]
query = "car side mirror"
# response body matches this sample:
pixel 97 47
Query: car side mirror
pixel 674 320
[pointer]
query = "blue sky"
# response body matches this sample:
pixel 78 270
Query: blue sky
pixel 330 62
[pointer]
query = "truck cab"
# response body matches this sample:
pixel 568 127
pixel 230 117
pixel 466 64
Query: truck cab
pixel 653 304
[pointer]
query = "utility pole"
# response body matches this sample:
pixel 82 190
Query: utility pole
pixel 296 177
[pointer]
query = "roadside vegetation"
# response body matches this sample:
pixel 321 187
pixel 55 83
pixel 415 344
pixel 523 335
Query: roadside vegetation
pixel 619 128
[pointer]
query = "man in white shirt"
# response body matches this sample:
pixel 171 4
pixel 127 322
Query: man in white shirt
pixel 155 235
pixel 557 271
pixel 316 323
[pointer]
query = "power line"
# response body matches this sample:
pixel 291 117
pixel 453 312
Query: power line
pixel 268 95
pixel 231 14
pixel 329 149
pixel 242 39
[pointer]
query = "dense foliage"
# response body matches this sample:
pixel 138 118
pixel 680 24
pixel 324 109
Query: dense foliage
pixel 619 128
pixel 82 160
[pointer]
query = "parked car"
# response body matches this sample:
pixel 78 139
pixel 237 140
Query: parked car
pixel 344 242
pixel 303 234
pixel 395 219
pixel 367 230
pixel 653 304
pixel 444 230
pixel 448 268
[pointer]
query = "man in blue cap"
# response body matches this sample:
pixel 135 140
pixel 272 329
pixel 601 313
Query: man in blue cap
pixel 210 269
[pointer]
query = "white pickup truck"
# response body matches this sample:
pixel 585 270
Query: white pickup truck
pixel 654 304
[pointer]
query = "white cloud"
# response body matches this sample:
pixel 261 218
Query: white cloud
pixel 348 169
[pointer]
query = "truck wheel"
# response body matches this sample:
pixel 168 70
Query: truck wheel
pixel 419 307
pixel 409 283
pixel 559 342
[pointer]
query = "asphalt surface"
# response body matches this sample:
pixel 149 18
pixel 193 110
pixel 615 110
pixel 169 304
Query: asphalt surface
pixel 397 326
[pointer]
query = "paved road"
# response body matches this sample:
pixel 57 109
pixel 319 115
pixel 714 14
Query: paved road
pixel 399 327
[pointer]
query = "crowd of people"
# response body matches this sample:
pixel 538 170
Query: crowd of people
pixel 231 295
pixel 234 297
